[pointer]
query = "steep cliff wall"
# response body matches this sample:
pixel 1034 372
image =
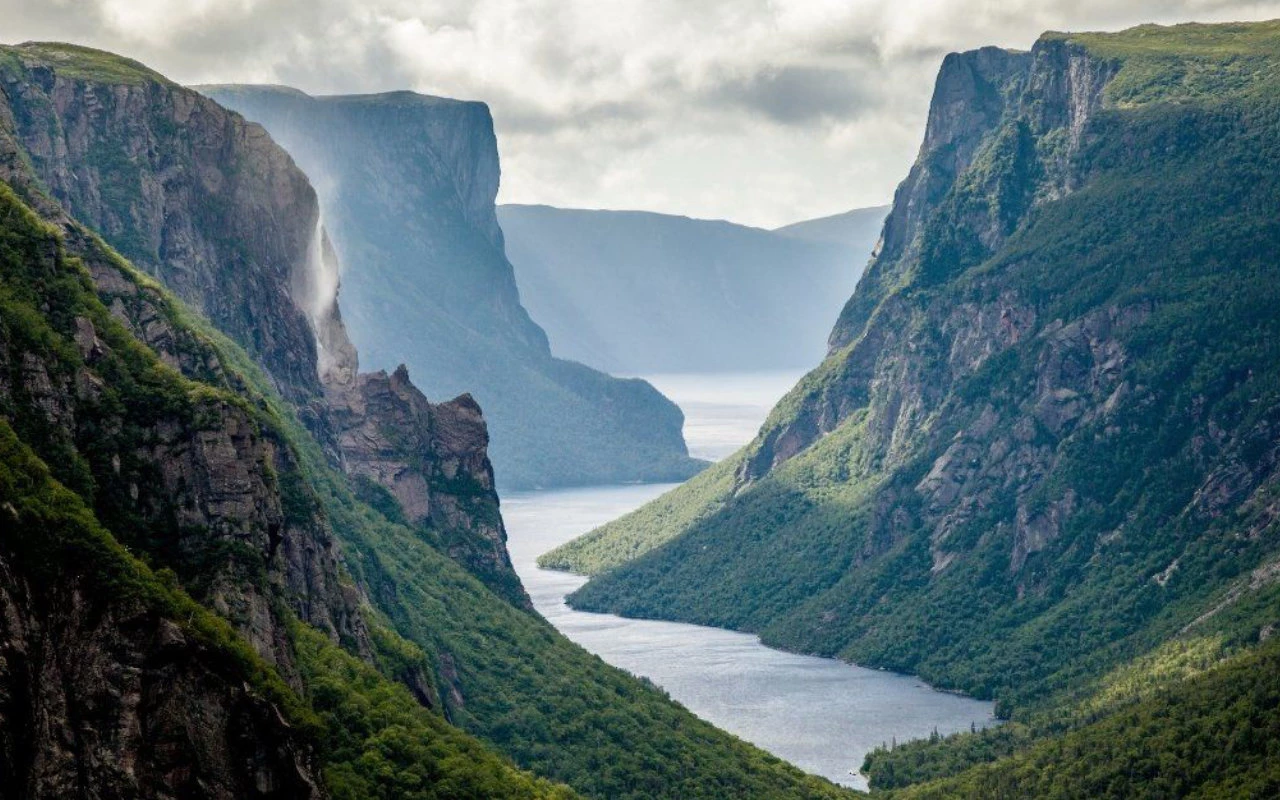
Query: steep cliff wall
pixel 112 684
pixel 186 191
pixel 194 478
pixel 1003 136
pixel 213 208
pixel 1044 438
pixel 103 660
pixel 407 183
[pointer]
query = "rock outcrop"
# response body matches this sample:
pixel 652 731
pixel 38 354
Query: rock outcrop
pixel 432 459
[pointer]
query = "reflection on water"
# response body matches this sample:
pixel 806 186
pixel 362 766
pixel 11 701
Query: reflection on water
pixel 820 714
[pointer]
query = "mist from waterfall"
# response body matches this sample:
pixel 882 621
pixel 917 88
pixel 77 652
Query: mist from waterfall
pixel 316 292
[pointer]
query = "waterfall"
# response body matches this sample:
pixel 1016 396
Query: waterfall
pixel 316 293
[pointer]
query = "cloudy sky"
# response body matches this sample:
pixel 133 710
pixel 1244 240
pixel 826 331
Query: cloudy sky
pixel 760 111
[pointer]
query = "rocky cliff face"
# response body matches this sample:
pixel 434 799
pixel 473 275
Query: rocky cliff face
pixel 188 470
pixel 100 699
pixel 1052 90
pixel 186 191
pixel 111 684
pixel 433 460
pixel 198 481
pixel 1003 136
pixel 1030 395
pixel 212 207
pixel 407 184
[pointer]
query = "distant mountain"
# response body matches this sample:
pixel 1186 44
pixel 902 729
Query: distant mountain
pixel 637 292
pixel 852 228
pixel 407 185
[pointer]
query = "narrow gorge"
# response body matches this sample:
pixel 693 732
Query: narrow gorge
pixel 290 573
pixel 299 500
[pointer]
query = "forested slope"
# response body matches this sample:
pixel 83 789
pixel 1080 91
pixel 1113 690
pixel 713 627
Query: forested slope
pixel 1044 443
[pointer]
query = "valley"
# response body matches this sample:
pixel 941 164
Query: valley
pixel 325 476
pixel 820 714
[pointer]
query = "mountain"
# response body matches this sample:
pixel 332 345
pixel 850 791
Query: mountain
pixel 233 565
pixel 852 228
pixel 642 293
pixel 1040 460
pixel 407 186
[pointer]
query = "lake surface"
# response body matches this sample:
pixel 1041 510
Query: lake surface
pixel 722 412
pixel 820 714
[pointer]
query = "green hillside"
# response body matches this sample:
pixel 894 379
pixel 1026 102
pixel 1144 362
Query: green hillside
pixel 1045 442
pixel 57 537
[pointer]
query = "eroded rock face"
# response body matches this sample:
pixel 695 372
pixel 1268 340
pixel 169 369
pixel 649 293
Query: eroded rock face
pixel 900 364
pixel 208 492
pixel 106 700
pixel 433 460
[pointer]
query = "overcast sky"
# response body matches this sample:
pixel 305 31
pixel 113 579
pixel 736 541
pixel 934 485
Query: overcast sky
pixel 759 111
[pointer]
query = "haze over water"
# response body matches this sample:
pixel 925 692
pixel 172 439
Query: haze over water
pixel 820 714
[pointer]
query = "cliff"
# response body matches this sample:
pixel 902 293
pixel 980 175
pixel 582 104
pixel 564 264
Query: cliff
pixel 1044 438
pixel 102 661
pixel 407 185
pixel 644 294
pixel 213 208
pixel 431 459
pixel 133 156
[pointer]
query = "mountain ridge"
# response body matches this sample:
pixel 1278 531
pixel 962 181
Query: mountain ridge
pixel 640 292
pixel 1042 446
pixel 857 224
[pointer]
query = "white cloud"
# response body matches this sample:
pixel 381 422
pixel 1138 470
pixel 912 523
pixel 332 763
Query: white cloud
pixel 762 111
